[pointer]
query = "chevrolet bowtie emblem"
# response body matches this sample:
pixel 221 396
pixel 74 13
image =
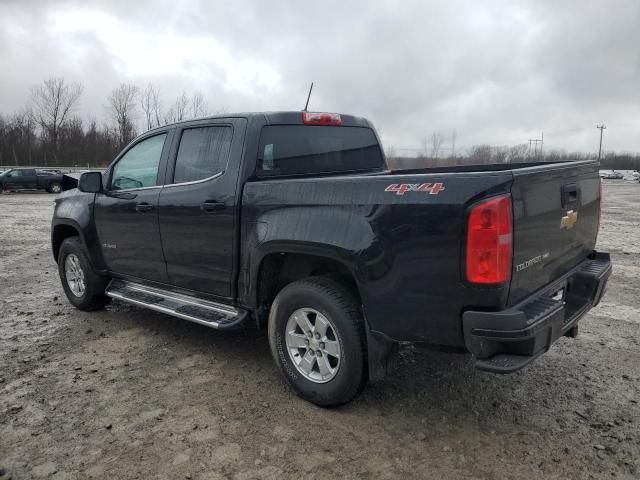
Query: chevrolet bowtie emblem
pixel 569 220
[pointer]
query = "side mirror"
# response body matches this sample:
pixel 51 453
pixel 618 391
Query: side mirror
pixel 90 182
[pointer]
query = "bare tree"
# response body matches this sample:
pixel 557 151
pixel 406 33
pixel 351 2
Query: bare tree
pixel 518 153
pixel 198 105
pixel 424 153
pixel 500 155
pixel 391 152
pixel 53 103
pixel 436 141
pixel 178 111
pixel 480 154
pixel 157 111
pixel 122 108
pixel 150 103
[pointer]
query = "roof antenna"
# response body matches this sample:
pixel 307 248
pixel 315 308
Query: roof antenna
pixel 308 97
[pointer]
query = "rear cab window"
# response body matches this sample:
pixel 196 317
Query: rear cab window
pixel 287 150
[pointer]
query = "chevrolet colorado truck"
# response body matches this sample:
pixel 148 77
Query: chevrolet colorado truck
pixel 31 179
pixel 292 222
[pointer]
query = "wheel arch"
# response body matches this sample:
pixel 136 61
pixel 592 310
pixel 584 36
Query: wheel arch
pixel 51 183
pixel 280 265
pixel 63 230
pixel 273 271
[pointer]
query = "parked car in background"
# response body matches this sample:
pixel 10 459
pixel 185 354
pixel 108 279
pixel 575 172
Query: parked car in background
pixel 611 175
pixel 31 179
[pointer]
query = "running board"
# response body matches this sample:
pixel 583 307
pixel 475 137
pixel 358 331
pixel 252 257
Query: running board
pixel 204 312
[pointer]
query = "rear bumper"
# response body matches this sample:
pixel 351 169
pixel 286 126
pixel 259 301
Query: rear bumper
pixel 506 341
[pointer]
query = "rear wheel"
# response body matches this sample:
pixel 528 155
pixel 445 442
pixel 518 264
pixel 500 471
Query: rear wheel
pixel 83 287
pixel 316 334
pixel 55 187
pixel 1 188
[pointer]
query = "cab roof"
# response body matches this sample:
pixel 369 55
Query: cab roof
pixel 290 117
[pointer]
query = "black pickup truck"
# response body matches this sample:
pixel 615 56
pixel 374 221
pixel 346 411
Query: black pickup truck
pixel 31 179
pixel 291 221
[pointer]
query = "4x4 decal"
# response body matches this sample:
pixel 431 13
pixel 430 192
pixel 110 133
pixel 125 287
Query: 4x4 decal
pixel 402 188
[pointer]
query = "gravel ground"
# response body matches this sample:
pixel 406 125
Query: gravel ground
pixel 129 393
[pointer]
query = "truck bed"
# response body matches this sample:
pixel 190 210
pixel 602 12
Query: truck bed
pixel 406 248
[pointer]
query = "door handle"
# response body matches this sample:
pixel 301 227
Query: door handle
pixel 212 206
pixel 143 207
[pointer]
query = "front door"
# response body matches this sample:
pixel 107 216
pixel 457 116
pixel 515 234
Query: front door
pixel 198 206
pixel 12 179
pixel 22 179
pixel 126 213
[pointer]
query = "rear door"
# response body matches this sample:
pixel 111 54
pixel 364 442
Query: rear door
pixel 198 206
pixel 556 215
pixel 126 213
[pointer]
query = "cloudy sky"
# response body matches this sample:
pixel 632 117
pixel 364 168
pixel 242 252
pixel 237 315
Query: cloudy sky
pixel 496 72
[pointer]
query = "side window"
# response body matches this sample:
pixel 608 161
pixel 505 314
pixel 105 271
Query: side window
pixel 138 167
pixel 203 152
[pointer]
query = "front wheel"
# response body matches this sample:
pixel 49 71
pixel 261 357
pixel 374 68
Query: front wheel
pixel 84 288
pixel 316 334
pixel 55 187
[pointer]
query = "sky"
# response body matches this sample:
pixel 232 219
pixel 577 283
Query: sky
pixel 495 72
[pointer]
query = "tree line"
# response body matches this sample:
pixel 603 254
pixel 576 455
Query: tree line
pixel 433 154
pixel 48 132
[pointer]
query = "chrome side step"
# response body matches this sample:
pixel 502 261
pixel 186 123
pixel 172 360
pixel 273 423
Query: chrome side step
pixel 204 312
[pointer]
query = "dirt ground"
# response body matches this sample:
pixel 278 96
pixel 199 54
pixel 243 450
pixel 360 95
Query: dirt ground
pixel 129 393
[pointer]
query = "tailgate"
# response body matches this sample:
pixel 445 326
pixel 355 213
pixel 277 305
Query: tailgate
pixel 555 214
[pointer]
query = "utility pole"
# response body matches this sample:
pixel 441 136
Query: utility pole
pixel 541 143
pixel 535 145
pixel 454 134
pixel 602 128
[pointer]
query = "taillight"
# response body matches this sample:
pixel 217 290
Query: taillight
pixel 315 118
pixel 490 241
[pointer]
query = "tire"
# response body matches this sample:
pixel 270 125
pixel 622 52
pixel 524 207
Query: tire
pixel 91 296
pixel 333 303
pixel 54 187
pixel 1 189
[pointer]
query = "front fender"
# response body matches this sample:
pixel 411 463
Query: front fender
pixel 75 209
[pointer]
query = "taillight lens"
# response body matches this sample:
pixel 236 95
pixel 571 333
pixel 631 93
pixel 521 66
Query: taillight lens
pixel 315 118
pixel 490 241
